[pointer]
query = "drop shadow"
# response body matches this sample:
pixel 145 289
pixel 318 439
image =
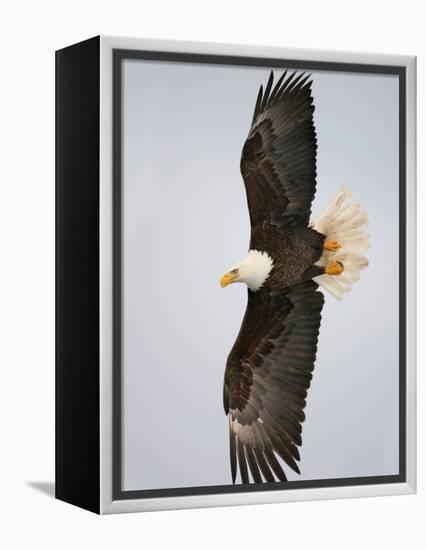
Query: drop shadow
pixel 46 487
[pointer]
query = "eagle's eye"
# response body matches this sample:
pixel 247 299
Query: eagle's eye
pixel 234 271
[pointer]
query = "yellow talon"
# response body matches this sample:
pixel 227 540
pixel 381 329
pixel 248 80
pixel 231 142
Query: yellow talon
pixel 334 268
pixel 331 246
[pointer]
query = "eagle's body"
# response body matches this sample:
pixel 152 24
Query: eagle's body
pixel 269 368
pixel 293 255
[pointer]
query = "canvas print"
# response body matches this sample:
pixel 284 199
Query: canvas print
pixel 286 181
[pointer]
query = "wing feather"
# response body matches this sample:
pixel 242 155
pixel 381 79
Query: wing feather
pixel 242 462
pixel 232 451
pixel 275 465
pixel 254 468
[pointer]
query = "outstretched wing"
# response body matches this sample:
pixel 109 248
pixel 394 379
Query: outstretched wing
pixel 278 161
pixel 267 376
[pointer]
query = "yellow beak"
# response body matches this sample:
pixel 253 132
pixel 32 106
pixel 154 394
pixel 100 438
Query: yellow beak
pixel 227 279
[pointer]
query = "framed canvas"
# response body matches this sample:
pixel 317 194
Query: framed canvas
pixel 235 274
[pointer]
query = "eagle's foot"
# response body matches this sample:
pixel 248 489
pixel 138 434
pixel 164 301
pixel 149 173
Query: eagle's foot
pixel 331 246
pixel 334 268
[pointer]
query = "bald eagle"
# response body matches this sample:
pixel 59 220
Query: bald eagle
pixel 269 368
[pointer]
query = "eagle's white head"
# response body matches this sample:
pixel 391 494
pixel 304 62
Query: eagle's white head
pixel 253 270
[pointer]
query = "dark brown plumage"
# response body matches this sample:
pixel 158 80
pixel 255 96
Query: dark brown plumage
pixel 270 366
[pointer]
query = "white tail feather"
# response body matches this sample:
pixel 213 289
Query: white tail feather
pixel 343 220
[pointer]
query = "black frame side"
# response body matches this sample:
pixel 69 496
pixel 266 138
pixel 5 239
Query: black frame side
pixel 77 469
pixel 119 55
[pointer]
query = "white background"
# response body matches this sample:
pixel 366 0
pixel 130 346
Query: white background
pixel 30 32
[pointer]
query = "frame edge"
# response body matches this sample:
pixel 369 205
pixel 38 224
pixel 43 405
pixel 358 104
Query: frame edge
pixel 76 279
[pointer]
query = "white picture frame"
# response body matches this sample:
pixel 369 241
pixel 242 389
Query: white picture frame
pixel 110 498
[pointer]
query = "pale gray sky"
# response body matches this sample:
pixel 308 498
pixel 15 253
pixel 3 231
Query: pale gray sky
pixel 185 221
